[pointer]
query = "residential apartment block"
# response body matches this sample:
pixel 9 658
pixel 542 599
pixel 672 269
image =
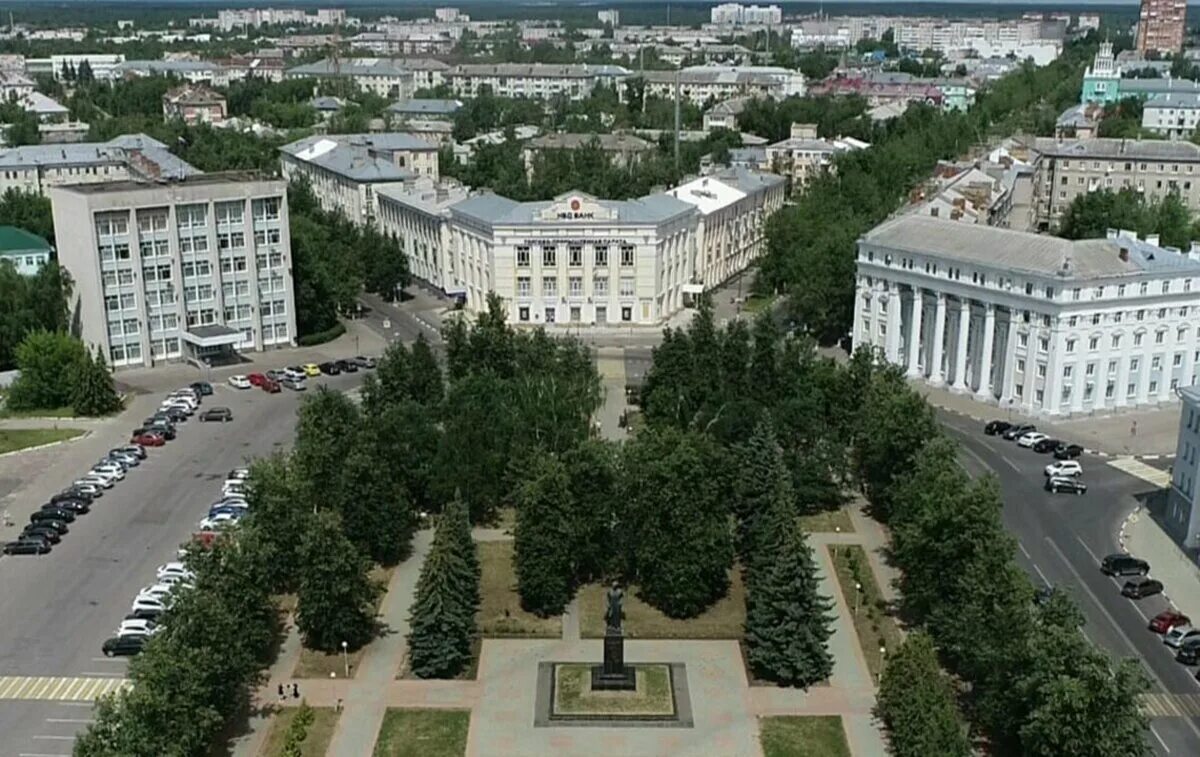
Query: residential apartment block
pixel 1161 26
pixel 736 14
pixel 382 76
pixel 194 104
pixel 535 80
pixel 1045 325
pixel 803 156
pixel 701 84
pixel 1182 514
pixel 190 269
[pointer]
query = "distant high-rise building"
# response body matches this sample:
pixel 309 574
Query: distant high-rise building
pixel 1161 26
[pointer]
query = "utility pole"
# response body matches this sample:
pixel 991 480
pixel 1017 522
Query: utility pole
pixel 676 122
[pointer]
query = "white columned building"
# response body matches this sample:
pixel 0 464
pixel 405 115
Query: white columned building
pixel 1045 325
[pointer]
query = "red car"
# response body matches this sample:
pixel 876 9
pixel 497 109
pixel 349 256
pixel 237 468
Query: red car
pixel 256 379
pixel 149 439
pixel 1168 619
pixel 270 386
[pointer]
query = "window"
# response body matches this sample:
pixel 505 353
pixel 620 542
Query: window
pixel 600 286
pixel 626 286
pixel 1090 370
pixel 1049 293
pixel 1075 293
pixel 1070 345
pixel 575 286
pixel 1023 339
pixel 1141 315
pixel 626 255
pixel 1112 367
pixel 522 256
pixel 626 313
pixel 1094 343
pixel 1166 287
pixel 1131 390
pixel 575 255
pixel 1143 287
pixel 550 314
pixel 1109 390
pixel 601 255
pixel 1043 344
pixel 1159 336
pixel 549 255
pixel 1137 340
pixel 601 314
pixel 1041 370
pixel 1120 290
pixel 549 286
pixel 523 313
pixel 1153 387
pixel 1155 363
pixel 1178 360
pixel 1028 288
pixel 1067 371
pixel 576 313
pixel 1072 321
pixel 1021 366
pixel 1133 365
pixel 523 287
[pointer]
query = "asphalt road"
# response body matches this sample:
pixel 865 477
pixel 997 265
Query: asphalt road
pixel 57 609
pixel 1062 539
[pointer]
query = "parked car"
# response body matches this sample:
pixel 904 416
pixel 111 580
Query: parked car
pixel 128 459
pixel 222 414
pixel 238 474
pixel 27 545
pixel 1031 438
pixel 1017 430
pixel 1123 565
pixel 1168 619
pixel 1066 451
pixel 220 520
pixel 996 427
pixel 76 494
pixel 150 439
pixel 173 569
pixel 276 374
pixel 123 646
pixel 40 531
pixel 363 361
pixel 147 603
pixel 294 384
pixel 240 382
pixel 347 366
pixel 256 379
pixel 295 371
pixel 112 471
pixel 165 428
pixel 203 388
pixel 311 369
pixel 94 480
pixel 174 413
pixel 73 506
pixel 1179 635
pixel 49 522
pixel 330 368
pixel 1140 588
pixel 120 462
pixel 271 387
pixel 144 615
pixel 1064 469
pixel 136 450
pixel 1189 653
pixel 1045 445
pixel 52 512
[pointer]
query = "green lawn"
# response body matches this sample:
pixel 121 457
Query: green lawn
pixel 52 412
pixel 803 736
pixel 757 304
pixel 12 440
pixel 725 619
pixel 873 625
pixel 320 733
pixel 828 521
pixel 573 692
pixel 423 733
pixel 500 612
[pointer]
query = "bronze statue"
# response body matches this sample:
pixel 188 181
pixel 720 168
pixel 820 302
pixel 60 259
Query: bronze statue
pixel 612 616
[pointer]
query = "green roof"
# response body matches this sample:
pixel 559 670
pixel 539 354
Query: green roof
pixel 14 240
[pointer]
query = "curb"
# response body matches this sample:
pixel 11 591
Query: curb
pixel 47 445
pixel 1133 516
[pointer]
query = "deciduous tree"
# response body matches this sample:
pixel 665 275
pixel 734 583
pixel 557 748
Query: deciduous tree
pixel 917 703
pixel 335 596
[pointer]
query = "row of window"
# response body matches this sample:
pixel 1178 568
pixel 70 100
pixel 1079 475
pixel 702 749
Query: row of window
pixel 1076 293
pixel 626 287
pixel 1160 167
pixel 1160 337
pixel 575 314
pixel 1090 369
pixel 575 255
pixel 1088 391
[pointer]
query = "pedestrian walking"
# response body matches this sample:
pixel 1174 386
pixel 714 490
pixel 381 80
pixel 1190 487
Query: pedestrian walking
pixel 295 691
pixel 339 704
pixel 282 695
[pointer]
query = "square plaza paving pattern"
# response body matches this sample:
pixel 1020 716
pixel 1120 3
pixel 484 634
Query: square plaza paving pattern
pixel 503 722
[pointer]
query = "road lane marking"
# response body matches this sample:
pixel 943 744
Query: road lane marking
pixel 64 689
pixel 1138 469
pixel 1024 551
pixel 1041 575
pixel 55 738
pixel 1088 549
pixel 1011 464
pixel 1159 705
pixel 1161 743
pixel 70 720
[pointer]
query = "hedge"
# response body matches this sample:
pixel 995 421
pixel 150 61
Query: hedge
pixel 321 337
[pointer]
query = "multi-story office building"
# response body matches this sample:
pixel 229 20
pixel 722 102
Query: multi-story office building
pixel 580 261
pixel 193 71
pixel 34 168
pixel 1068 168
pixel 58 66
pixel 1161 26
pixel 736 14
pixel 534 80
pixel 609 18
pixel 1182 514
pixel 192 269
pixel 1046 325
pixel 345 170
pixel 382 76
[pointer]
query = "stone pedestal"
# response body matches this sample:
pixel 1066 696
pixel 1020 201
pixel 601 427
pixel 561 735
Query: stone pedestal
pixel 613 675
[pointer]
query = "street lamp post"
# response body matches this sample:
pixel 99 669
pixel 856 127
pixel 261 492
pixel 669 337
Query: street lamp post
pixel 882 660
pixel 857 594
pixel 345 659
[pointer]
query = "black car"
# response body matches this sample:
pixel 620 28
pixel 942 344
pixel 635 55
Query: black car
pixel 38 531
pixel 146 614
pixel 1123 565
pixel 362 361
pixel 166 429
pixel 174 414
pixel 1046 445
pixel 1065 485
pixel 330 368
pixel 1017 430
pixel 27 545
pixel 76 506
pixel 123 645
pixel 73 495
pixel 1189 652
pixel 1140 588
pixel 58 525
pixel 203 388
pixel 1066 451
pixel 996 427
pixel 222 414
pixel 347 366
pixel 53 513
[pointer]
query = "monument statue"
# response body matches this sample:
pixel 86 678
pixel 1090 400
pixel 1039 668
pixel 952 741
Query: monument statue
pixel 614 674
pixel 612 616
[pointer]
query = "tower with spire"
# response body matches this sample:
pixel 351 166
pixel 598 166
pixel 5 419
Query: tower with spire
pixel 1102 80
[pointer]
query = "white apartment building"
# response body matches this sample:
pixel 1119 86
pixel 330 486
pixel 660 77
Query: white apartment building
pixel 609 17
pixel 838 31
pixel 736 14
pixel 102 64
pixel 579 261
pixel 191 71
pixel 36 168
pixel 1183 498
pixel 701 84
pixel 229 19
pixel 534 80
pixel 1174 115
pixel 379 75
pixel 14 85
pixel 803 156
pixel 192 269
pixel 345 170
pixel 1046 325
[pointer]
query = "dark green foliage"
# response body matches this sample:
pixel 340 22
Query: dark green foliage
pixel 426 384
pixel 47 361
pixel 917 703
pixel 543 541
pixel 788 621
pixel 277 511
pixel 457 523
pixel 759 479
pixel 335 598
pixel 675 520
pixel 92 391
pixel 442 622
pixel 1091 214
pixel 29 304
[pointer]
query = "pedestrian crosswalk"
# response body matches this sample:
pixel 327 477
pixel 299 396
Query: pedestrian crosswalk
pixel 1133 467
pixel 58 688
pixel 1171 705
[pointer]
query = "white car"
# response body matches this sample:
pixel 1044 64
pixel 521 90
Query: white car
pixel 239 382
pixel 158 590
pixel 233 491
pixel 95 479
pixel 93 489
pixel 137 628
pixel 109 469
pixel 1179 635
pixel 295 374
pixel 147 603
pixel 1062 468
pixel 239 474
pixel 220 520
pixel 174 569
pixel 186 407
pixel 1031 438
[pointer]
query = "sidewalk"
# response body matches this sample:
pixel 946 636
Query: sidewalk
pixel 1143 537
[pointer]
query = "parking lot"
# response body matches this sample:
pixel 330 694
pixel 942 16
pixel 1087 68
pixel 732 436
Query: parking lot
pixel 60 607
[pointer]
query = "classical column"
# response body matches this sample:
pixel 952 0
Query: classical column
pixel 860 304
pixel 914 333
pixel 985 356
pixel 936 374
pixel 1009 364
pixel 894 304
pixel 960 354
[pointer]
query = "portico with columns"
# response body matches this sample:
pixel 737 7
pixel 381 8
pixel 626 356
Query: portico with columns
pixel 1041 324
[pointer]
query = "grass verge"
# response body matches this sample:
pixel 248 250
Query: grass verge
pixel 313 663
pixel 500 613
pixel 726 619
pixel 827 521
pixel 15 439
pixel 573 693
pixel 803 736
pixel 873 625
pixel 423 733
pixel 320 733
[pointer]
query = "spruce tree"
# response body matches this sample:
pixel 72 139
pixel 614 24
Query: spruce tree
pixel 425 374
pixel 442 622
pixel 916 702
pixel 457 523
pixel 92 391
pixel 788 622
pixel 336 597
pixel 771 536
pixel 543 538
